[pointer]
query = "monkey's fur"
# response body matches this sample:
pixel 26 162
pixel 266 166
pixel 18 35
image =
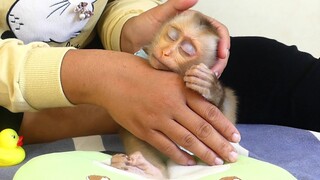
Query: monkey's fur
pixel 187 45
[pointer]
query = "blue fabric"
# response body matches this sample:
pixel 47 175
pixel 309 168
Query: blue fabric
pixel 296 150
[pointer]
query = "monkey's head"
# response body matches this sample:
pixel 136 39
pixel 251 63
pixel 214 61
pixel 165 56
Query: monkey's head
pixel 187 39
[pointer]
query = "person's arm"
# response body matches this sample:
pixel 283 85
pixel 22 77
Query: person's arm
pixel 30 76
pixel 153 105
pixel 138 97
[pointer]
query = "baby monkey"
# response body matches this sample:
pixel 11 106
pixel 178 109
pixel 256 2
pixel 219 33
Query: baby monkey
pixel 187 45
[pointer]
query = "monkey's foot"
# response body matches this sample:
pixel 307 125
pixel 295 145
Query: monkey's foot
pixel 137 164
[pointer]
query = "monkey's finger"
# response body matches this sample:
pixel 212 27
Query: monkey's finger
pixel 200 67
pixel 197 84
pixel 197 73
pixel 204 91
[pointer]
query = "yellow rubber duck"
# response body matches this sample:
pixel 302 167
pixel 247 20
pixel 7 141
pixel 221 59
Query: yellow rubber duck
pixel 11 152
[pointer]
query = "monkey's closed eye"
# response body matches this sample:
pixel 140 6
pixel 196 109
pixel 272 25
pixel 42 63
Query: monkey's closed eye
pixel 188 48
pixel 173 34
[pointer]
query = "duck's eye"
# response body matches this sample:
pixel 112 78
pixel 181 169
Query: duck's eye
pixel 188 48
pixel 173 34
pixel 13 136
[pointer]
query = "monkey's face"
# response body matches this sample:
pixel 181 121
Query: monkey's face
pixel 181 43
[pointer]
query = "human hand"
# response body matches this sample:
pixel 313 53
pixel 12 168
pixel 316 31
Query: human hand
pixel 153 105
pixel 158 109
pixel 223 46
pixel 149 22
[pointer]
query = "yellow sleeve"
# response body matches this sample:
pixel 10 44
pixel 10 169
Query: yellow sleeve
pixel 115 16
pixel 30 76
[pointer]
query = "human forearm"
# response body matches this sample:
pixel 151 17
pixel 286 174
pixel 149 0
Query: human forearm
pixel 93 76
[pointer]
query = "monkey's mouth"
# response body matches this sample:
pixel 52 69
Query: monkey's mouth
pixel 157 64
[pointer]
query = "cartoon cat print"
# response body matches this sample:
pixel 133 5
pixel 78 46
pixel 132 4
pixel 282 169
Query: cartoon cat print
pixel 49 20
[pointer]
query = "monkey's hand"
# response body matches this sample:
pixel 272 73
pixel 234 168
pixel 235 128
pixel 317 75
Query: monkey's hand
pixel 201 79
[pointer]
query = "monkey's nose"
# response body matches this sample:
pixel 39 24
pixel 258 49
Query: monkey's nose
pixel 166 52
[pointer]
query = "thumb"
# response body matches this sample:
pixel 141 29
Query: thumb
pixel 169 9
pixel 180 5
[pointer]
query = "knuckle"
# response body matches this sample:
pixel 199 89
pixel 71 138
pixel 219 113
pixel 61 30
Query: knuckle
pixel 168 103
pixel 205 130
pixel 225 147
pixel 212 113
pixel 188 140
pixel 180 159
pixel 227 128
pixel 171 151
pixel 167 149
pixel 207 156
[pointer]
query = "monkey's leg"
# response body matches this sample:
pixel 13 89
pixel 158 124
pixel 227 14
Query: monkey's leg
pixel 230 105
pixel 143 159
pixel 200 79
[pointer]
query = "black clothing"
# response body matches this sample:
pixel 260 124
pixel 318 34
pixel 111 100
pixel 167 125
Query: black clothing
pixel 9 119
pixel 275 83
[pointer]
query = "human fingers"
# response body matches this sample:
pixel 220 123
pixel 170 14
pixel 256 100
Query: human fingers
pixel 198 137
pixel 223 46
pixel 224 42
pixel 220 64
pixel 160 14
pixel 170 8
pixel 149 22
pixel 219 130
pixel 213 116
pixel 165 142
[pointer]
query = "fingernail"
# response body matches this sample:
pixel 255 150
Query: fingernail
pixel 191 162
pixel 216 74
pixel 218 161
pixel 233 156
pixel 236 137
pixel 227 52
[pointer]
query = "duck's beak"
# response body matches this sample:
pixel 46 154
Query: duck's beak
pixel 20 143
